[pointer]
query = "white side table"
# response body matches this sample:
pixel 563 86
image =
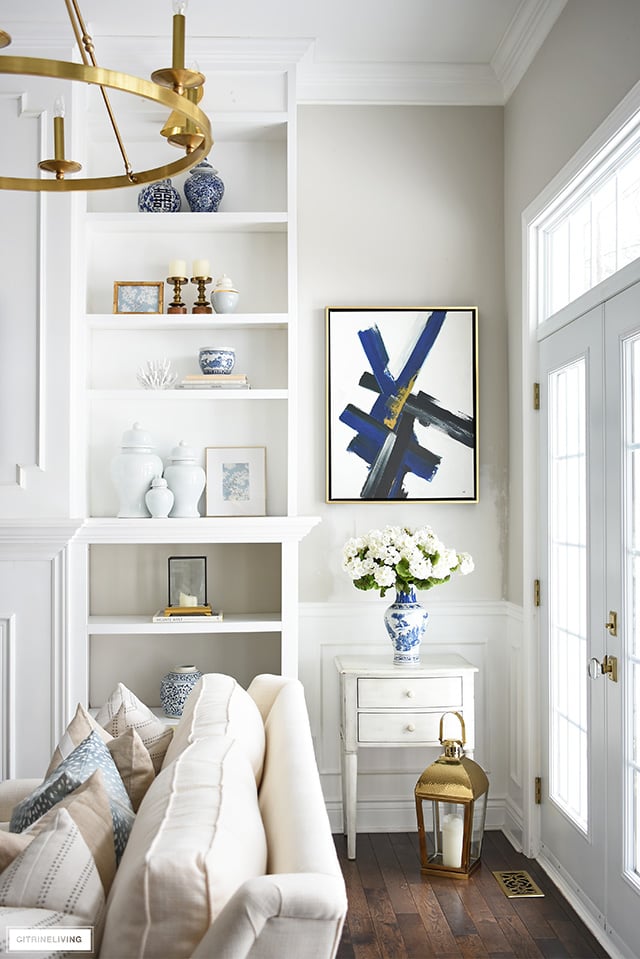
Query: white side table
pixel 387 705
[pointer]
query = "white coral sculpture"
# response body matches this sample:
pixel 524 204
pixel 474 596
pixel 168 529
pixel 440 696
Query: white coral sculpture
pixel 157 375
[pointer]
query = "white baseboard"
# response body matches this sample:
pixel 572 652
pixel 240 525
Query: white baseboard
pixel 398 815
pixel 585 909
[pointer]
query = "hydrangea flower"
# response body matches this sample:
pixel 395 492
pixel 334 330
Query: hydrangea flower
pixel 398 557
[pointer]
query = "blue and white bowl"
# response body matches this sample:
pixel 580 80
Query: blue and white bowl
pixel 219 359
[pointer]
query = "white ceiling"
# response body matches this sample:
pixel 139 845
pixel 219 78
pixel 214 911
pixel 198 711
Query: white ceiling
pixel 412 51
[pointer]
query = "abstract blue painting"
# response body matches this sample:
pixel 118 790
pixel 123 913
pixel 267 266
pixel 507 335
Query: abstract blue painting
pixel 402 404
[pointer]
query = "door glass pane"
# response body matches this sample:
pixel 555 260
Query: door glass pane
pixel 631 428
pixel 567 490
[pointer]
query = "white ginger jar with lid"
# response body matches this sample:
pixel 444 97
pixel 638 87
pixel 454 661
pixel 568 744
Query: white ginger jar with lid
pixel 159 498
pixel 132 471
pixel 185 479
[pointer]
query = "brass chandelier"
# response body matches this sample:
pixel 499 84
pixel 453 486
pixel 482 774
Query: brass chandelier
pixel 174 87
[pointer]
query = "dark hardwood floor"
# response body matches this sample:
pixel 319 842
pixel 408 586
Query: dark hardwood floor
pixel 397 913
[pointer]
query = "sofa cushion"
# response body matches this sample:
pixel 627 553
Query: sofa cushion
pixel 123 710
pixel 89 807
pixel 219 706
pixel 56 871
pixel 198 836
pixel 90 755
pixel 12 917
pixel 81 726
pixel 134 764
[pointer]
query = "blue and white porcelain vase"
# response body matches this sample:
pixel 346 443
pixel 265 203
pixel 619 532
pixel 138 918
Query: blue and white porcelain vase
pixel 406 621
pixel 203 188
pixel 159 197
pixel 176 686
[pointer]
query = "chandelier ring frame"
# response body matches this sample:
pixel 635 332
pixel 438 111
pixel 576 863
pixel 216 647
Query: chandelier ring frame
pixel 115 80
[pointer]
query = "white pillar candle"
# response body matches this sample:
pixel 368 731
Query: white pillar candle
pixel 452 833
pixel 187 600
pixel 200 268
pixel 178 268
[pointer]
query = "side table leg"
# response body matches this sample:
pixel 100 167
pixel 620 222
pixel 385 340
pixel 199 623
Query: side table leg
pixel 350 792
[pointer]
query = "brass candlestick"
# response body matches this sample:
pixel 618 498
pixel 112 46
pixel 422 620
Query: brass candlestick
pixel 176 305
pixel 201 304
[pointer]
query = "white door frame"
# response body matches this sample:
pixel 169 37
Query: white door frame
pixel 580 165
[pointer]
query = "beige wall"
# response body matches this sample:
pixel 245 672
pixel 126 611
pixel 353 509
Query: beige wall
pixel 402 206
pixel 586 66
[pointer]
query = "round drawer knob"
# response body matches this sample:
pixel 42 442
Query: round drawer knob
pixel 411 728
pixel 410 694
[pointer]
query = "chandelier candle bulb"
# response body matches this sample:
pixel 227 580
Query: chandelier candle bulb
pixel 179 10
pixel 58 129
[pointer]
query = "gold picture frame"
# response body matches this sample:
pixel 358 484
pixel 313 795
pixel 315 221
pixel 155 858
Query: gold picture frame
pixel 138 296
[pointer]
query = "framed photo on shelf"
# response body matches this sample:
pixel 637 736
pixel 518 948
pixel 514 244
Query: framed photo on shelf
pixel 143 297
pixel 401 404
pixel 235 481
pixel 187 581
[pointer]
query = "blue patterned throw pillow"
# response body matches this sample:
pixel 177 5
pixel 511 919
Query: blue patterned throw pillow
pixel 90 755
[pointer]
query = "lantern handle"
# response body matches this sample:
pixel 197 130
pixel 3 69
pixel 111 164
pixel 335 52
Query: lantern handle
pixel 452 712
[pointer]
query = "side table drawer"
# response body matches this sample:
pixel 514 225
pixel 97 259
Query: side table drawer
pixel 403 728
pixel 420 691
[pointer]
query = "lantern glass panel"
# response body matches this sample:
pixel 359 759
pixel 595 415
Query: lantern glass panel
pixel 479 813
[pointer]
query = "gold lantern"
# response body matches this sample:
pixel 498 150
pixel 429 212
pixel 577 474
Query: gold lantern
pixel 455 790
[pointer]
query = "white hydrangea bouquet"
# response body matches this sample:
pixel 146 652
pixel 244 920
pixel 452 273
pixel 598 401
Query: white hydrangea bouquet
pixel 401 558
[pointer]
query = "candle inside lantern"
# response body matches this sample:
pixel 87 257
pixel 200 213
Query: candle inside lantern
pixel 452 833
pixel 201 268
pixel 178 268
pixel 187 600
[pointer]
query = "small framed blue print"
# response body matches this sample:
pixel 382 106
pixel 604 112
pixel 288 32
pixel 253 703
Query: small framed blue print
pixel 142 297
pixel 235 481
pixel 401 404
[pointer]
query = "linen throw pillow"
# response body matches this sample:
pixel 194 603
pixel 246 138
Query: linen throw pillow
pixel 90 755
pixel 89 807
pixel 56 871
pixel 134 763
pixel 123 709
pixel 11 845
pixel 81 726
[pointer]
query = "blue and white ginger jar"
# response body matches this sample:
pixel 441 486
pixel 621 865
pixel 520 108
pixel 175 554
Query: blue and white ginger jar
pixel 159 197
pixel 203 188
pixel 176 686
pixel 406 621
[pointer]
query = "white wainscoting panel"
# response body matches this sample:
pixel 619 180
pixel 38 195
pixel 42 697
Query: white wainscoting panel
pixel 387 777
pixel 7 687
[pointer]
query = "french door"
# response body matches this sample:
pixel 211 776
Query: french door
pixel 590 613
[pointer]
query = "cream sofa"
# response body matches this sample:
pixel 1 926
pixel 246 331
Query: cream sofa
pixel 230 854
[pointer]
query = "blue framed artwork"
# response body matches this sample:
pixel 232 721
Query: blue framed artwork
pixel 402 404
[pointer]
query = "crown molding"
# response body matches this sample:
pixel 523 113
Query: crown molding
pixel 523 38
pixel 399 83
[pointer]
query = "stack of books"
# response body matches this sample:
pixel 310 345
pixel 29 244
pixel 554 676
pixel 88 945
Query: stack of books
pixel 213 381
pixel 169 615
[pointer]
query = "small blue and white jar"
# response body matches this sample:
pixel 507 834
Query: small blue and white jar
pixel 175 687
pixel 159 197
pixel 220 359
pixel 203 188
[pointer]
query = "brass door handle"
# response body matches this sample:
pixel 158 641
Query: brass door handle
pixel 608 667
